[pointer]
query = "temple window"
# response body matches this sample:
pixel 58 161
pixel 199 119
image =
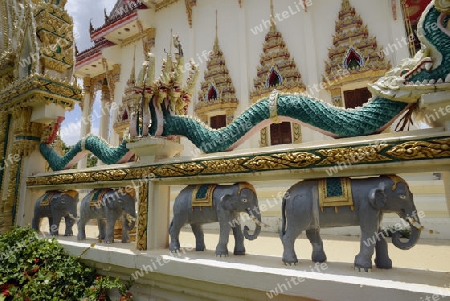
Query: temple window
pixel 218 121
pixel 353 60
pixel 280 133
pixel 212 93
pixel 274 78
pixel 356 98
pixel 124 115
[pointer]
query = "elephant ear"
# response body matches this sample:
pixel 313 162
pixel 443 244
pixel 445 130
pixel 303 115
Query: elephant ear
pixel 228 202
pixel 377 196
pixel 112 202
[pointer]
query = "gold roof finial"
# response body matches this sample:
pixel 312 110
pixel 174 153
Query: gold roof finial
pixel 171 42
pixel 216 25
pixel 216 40
pixel 272 19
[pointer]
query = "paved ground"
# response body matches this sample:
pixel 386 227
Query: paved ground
pixel 428 254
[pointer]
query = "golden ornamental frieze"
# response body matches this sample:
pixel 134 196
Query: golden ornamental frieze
pixel 264 163
pixel 224 166
pixel 353 155
pixel 281 161
pixel 108 175
pixel 421 149
pixel 81 177
pixel 385 152
pixel 297 159
pixel 183 169
pixel 62 179
pixel 139 173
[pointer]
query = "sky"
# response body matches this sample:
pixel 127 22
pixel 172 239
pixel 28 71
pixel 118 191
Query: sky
pixel 82 11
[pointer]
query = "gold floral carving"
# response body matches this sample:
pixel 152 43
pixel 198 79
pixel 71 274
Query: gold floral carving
pixel 263 138
pixel 110 175
pixel 421 149
pixel 224 166
pixel 179 170
pixel 282 161
pixel 40 89
pixel 297 131
pixel 362 154
pixel 141 241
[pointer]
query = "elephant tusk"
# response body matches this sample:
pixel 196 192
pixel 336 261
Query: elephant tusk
pixel 130 218
pixel 261 224
pixel 414 223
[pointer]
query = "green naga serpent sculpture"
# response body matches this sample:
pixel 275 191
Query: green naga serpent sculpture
pixel 393 94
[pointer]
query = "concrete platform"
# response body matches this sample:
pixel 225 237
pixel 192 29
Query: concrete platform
pixel 422 273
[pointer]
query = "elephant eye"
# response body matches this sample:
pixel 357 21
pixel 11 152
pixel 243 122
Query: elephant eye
pixel 244 200
pixel 402 196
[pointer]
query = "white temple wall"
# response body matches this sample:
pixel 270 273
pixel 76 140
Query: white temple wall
pixel 241 32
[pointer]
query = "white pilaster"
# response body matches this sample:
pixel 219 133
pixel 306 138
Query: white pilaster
pixel 86 114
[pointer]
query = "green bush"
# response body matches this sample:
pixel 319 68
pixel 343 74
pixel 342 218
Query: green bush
pixel 35 268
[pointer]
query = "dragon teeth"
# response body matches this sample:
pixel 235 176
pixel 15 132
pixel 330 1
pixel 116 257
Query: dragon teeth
pixel 447 79
pixel 428 66
pixel 440 81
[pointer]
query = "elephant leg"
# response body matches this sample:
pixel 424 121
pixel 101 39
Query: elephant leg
pixel 199 237
pixel 101 228
pixel 174 232
pixel 239 248
pixel 69 224
pixel 367 246
pixel 35 223
pixel 125 236
pixel 81 225
pixel 288 240
pixel 382 260
pixel 110 222
pixel 221 248
pixel 318 254
pixel 53 229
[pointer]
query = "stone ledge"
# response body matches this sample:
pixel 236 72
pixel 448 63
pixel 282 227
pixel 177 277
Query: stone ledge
pixel 203 276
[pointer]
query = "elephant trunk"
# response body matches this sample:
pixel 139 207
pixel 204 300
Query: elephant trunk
pixel 257 218
pixel 416 228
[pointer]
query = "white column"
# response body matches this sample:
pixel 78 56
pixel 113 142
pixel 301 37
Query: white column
pixel 446 180
pixel 105 107
pixel 158 216
pixel 86 114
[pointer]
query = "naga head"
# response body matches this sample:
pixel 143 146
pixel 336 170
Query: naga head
pixel 429 70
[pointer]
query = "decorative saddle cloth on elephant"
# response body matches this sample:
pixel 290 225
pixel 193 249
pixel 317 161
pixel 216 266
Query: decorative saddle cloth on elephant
pixel 48 196
pixel 202 196
pixel 97 196
pixel 335 192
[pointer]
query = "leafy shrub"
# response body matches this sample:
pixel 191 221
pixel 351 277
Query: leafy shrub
pixel 35 268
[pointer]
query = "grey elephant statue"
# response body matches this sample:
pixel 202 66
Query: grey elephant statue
pixel 200 204
pixel 109 204
pixel 55 205
pixel 313 204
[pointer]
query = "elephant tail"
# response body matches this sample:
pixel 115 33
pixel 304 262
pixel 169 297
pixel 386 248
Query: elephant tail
pixel 283 218
pixel 170 226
